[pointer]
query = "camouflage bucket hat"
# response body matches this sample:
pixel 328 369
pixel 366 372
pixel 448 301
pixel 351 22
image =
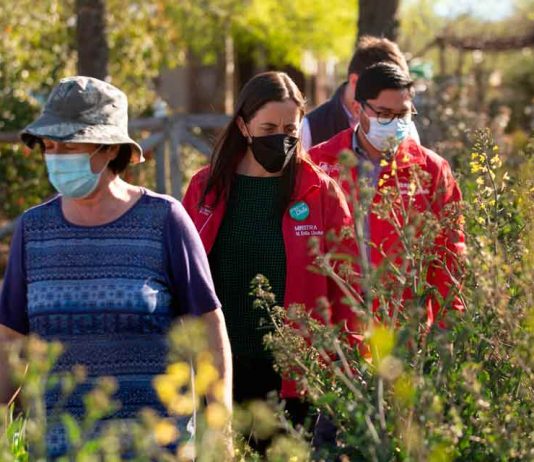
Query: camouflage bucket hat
pixel 84 110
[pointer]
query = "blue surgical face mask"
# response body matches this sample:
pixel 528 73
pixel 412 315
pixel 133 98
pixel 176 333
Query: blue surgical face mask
pixel 71 174
pixel 387 138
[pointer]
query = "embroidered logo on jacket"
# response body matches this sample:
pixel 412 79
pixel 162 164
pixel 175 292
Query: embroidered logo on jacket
pixel 329 169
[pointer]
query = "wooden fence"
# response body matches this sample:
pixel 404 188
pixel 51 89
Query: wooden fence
pixel 166 138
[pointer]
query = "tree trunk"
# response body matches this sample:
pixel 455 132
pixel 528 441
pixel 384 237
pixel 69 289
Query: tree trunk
pixel 379 18
pixel 91 38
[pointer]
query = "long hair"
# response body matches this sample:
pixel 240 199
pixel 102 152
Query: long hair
pixel 232 145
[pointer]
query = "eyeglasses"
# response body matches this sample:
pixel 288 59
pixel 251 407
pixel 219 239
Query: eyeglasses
pixel 386 117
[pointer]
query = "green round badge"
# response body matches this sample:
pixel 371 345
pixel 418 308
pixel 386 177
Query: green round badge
pixel 300 211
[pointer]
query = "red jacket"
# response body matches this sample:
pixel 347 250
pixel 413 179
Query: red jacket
pixel 326 210
pixel 440 190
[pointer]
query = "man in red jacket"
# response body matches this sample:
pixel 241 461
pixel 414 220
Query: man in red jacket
pixel 388 159
pixel 341 112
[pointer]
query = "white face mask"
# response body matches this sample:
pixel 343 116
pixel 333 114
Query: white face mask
pixel 387 138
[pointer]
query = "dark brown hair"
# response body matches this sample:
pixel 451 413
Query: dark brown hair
pixel 121 162
pixel 379 77
pixel 232 145
pixel 372 50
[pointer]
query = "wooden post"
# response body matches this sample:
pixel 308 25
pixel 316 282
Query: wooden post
pixel 229 71
pixel 442 59
pixel 460 65
pixel 176 138
pixel 161 168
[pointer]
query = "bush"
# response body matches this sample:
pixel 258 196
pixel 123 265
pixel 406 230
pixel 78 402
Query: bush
pixel 410 392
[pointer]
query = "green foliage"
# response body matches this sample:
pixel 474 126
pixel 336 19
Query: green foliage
pixel 142 39
pixel 37 48
pixel 24 179
pixel 281 33
pixel 325 28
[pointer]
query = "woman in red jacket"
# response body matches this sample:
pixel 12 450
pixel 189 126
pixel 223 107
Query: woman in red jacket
pixel 256 206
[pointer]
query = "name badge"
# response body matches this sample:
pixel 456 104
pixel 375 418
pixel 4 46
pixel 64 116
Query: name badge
pixel 299 211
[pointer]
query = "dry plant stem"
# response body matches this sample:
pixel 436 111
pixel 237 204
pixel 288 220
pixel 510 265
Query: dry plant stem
pixel 372 429
pixel 344 361
pixel 380 402
pixel 339 374
pixel 360 215
pixel 280 332
pixel 347 290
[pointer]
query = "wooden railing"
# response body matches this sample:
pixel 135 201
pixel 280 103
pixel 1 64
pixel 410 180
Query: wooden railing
pixel 166 138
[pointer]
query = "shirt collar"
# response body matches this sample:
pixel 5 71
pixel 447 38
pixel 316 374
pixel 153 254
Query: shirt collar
pixel 351 118
pixel 353 121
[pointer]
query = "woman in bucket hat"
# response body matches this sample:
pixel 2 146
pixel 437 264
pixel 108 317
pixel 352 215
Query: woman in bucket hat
pixel 105 266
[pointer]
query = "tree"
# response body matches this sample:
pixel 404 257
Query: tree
pixel 91 38
pixel 379 18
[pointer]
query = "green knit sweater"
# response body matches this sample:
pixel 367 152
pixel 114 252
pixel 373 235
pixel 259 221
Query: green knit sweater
pixel 249 242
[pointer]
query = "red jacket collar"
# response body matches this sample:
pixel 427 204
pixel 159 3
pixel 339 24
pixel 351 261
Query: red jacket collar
pixel 308 178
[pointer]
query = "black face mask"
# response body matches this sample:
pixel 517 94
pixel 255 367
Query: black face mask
pixel 273 152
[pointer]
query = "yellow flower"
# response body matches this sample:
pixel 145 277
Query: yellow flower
pixel 165 388
pixel 179 373
pixel 205 375
pixel 217 416
pixel 383 163
pixel 218 390
pixel 165 432
pixel 381 182
pixel 182 405
pixel 496 161
pixel 382 341
pixel 475 167
pixel 480 181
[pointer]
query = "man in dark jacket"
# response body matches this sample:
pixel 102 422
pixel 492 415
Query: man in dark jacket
pixel 341 111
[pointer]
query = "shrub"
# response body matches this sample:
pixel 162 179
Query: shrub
pixel 410 392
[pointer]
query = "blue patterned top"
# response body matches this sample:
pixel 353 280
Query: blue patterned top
pixel 109 292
